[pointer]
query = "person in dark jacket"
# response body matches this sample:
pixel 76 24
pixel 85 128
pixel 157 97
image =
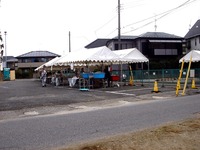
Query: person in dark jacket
pixel 107 76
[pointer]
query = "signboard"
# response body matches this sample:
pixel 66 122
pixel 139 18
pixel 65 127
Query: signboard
pixel 192 73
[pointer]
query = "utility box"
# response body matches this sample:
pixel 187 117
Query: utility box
pixel 6 74
pixel 12 75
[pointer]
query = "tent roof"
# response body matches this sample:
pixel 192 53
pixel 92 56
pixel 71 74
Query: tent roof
pixel 195 56
pixel 99 54
pixel 132 55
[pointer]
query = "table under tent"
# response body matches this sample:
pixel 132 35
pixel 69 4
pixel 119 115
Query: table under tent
pixel 100 56
pixel 88 59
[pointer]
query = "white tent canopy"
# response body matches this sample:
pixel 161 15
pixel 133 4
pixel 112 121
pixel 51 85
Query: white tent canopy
pixel 132 55
pixel 93 55
pixel 195 56
pixel 48 64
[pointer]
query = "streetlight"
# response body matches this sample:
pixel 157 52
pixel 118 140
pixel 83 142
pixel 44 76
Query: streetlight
pixel 5 33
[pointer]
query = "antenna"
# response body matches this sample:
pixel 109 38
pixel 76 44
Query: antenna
pixel 155 26
pixel 190 26
pixel 69 41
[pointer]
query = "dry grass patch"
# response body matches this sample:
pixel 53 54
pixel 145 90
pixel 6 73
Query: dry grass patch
pixel 174 136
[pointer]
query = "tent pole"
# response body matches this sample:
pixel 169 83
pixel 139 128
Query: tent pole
pixel 121 74
pixel 148 71
pixel 142 74
pixel 186 80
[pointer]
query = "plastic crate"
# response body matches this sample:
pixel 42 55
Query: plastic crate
pixel 99 75
pixel 86 75
pixel 114 78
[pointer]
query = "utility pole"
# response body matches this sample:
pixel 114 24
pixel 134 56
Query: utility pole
pixel 69 41
pixel 119 26
pixel 5 50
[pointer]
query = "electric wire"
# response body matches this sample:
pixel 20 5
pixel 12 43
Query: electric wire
pixel 163 14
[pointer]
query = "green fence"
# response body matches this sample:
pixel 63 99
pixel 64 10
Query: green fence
pixel 162 75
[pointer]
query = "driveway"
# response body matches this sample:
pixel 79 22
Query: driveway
pixel 28 93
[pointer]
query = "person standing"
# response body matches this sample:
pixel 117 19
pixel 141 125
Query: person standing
pixel 107 75
pixel 43 76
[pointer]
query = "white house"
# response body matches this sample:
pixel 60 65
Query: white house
pixel 193 37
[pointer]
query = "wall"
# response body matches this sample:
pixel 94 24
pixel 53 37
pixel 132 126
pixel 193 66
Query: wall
pixel 195 43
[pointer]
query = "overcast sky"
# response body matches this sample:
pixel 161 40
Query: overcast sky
pixel 45 24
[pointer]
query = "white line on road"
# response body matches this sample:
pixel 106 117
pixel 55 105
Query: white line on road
pixel 120 93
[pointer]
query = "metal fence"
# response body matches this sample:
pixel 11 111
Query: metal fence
pixel 162 75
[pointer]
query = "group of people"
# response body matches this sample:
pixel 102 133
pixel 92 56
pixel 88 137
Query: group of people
pixel 43 76
pixel 54 78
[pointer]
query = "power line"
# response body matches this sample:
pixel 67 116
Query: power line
pixel 163 14
pixel 159 14
pixel 105 24
pixel 111 32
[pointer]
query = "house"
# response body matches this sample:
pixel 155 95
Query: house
pixel 97 43
pixel 29 61
pixel 163 49
pixel 10 62
pixel 192 37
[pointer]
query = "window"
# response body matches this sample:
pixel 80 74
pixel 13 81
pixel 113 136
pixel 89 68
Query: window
pixel 116 47
pixel 43 60
pixel 159 51
pixel 165 52
pixel 35 60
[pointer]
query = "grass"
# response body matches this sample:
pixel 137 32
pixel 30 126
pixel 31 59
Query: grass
pixel 183 135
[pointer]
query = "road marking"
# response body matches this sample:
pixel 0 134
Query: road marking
pixel 137 89
pixel 4 87
pixel 120 93
pixel 31 113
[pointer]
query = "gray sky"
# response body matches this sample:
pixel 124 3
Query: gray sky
pixel 45 24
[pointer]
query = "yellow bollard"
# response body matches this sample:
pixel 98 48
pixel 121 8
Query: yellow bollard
pixel 155 88
pixel 131 81
pixel 178 85
pixel 193 84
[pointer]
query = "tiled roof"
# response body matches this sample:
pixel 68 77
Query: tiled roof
pixel 97 43
pixel 127 37
pixel 10 59
pixel 194 31
pixel 158 35
pixel 38 54
pixel 153 35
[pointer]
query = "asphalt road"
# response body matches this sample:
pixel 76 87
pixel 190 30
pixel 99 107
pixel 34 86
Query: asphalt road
pixel 46 132
pixel 20 94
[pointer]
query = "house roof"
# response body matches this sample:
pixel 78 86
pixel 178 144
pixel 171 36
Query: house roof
pixel 127 37
pixel 194 31
pixel 155 35
pixel 152 35
pixel 159 35
pixel 38 54
pixel 97 43
pixel 10 59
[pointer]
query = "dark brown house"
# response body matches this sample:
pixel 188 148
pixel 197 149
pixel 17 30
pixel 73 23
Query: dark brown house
pixel 162 49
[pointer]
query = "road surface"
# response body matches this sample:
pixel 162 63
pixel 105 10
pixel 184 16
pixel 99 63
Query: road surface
pixel 50 131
